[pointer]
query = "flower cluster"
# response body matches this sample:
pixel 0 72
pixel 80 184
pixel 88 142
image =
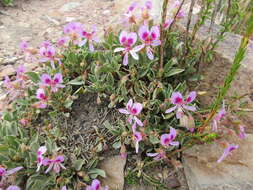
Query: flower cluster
pixel 149 38
pixel 48 85
pixel 55 163
pixel 79 36
pixel 137 13
pixel 133 110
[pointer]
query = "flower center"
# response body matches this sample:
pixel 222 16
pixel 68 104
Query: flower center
pixel 178 100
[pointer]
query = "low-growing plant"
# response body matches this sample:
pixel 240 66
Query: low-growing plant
pixel 158 116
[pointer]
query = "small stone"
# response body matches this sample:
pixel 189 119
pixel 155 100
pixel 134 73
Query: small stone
pixel 70 19
pixel 7 71
pixel 69 6
pixel 114 168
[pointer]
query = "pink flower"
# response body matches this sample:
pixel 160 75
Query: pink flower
pixel 54 83
pixel 133 110
pixel 41 95
pixel 7 82
pixel 42 150
pixel 168 139
pixel 149 38
pixel 13 187
pixel 181 104
pixel 64 188
pixel 96 185
pixel 47 52
pixel 181 13
pixel 157 156
pixel 24 121
pixel 129 17
pixel 63 41
pixel 127 40
pixel 73 29
pixel 23 46
pixel 21 75
pixel 168 23
pixel 217 119
pixel 137 138
pixel 90 37
pixel 55 164
pixel 148 5
pixel 242 134
pixel 4 173
pixel 227 151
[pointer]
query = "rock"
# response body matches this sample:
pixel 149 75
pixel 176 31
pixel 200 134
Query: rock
pixel 69 6
pixel 234 173
pixel 7 71
pixel 114 168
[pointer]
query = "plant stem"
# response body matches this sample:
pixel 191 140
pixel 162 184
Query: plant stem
pixel 232 73
pixel 164 14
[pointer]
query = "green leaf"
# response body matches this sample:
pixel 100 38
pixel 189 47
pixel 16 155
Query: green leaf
pixel 33 76
pixel 97 172
pixel 173 72
pixel 77 81
pixel 7 116
pixel 78 164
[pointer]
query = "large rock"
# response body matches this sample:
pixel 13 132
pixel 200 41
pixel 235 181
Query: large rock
pixel 234 173
pixel 215 72
pixel 114 168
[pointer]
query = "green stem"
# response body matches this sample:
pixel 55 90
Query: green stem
pixel 232 73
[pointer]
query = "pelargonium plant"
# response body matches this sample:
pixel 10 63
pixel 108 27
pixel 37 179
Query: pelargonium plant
pixel 124 71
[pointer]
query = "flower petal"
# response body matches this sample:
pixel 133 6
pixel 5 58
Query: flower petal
pixel 171 109
pixel 138 121
pixel 149 53
pixel 91 47
pixel 143 32
pixel 129 104
pixel 191 97
pixel 132 38
pixel 191 108
pixel 138 48
pixel 124 111
pixel 174 143
pixel 134 55
pixel 152 154
pixel 155 32
pixel 123 37
pixel 137 107
pixel 14 170
pixel 125 59
pixel 173 133
pixel 119 49
pixel 165 139
pixel 49 168
pixel 177 98
pixel 82 43
pixel 95 184
pixel 42 150
pixel 156 43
